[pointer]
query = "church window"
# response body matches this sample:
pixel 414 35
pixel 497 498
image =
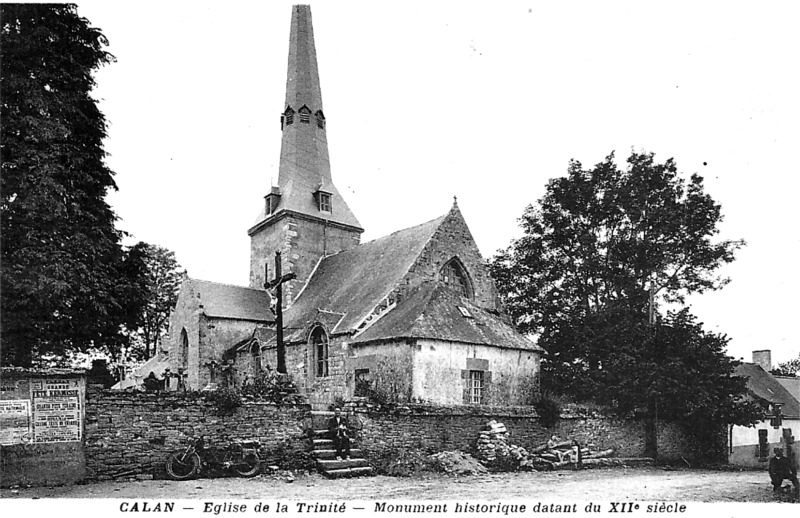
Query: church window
pixel 305 114
pixel 455 276
pixel 324 202
pixel 320 119
pixel 476 387
pixel 319 344
pixel 363 383
pixel 288 116
pixel 184 349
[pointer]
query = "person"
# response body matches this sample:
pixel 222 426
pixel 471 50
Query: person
pixel 338 433
pixel 780 469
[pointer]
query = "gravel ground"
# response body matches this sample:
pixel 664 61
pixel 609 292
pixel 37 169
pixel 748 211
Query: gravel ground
pixel 601 485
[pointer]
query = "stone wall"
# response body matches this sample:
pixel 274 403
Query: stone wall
pixel 429 428
pixel 41 427
pixel 132 433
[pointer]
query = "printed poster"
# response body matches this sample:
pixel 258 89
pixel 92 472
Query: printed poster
pixel 15 421
pixel 56 410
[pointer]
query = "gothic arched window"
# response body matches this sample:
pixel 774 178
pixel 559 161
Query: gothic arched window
pixel 319 347
pixel 320 119
pixel 455 276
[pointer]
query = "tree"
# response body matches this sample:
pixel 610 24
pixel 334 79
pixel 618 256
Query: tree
pixel 789 368
pixel 602 251
pixel 606 236
pixel 159 277
pixel 62 286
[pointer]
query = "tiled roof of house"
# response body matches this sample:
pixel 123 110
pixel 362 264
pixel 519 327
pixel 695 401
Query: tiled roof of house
pixel 763 385
pixel 348 285
pixel 236 302
pixel 437 312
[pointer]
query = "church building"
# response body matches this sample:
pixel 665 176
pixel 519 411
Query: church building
pixel 412 316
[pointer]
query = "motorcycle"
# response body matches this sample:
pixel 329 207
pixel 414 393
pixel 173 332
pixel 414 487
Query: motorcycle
pixel 241 457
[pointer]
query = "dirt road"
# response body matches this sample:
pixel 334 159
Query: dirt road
pixel 604 485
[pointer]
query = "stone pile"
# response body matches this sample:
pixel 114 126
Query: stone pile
pixel 491 441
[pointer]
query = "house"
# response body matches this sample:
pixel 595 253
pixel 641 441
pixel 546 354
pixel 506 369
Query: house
pixel 752 445
pixel 412 316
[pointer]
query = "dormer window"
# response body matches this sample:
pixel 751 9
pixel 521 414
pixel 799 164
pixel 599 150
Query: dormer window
pixel 324 202
pixel 320 119
pixel 272 199
pixel 288 117
pixel 323 199
pixel 305 114
pixel 455 276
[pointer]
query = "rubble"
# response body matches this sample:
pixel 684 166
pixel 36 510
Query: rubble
pixel 458 463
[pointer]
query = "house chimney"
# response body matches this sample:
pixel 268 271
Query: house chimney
pixel 763 359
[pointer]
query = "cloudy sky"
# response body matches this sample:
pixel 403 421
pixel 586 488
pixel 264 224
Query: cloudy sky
pixel 484 101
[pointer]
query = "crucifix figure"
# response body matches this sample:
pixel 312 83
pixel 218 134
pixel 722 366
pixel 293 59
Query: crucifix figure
pixel 276 286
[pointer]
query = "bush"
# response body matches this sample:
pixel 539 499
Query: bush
pixel 227 400
pixel 548 405
pixel 274 388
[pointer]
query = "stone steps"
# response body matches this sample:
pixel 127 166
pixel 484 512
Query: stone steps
pixel 325 455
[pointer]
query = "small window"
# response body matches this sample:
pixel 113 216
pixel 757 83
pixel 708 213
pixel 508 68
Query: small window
pixel 363 383
pixel 476 387
pixel 320 119
pixel 272 204
pixel 319 343
pixel 324 202
pixel 184 358
pixel 305 114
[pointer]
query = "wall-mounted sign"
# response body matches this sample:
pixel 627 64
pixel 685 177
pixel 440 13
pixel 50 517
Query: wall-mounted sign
pixel 15 421
pixel 56 409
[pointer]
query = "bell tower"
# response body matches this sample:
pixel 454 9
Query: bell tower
pixel 304 216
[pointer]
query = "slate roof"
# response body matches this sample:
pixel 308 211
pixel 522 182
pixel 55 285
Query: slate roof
pixel 305 164
pixel 264 335
pixel 157 365
pixel 763 385
pixel 236 302
pixel 348 285
pixel 432 311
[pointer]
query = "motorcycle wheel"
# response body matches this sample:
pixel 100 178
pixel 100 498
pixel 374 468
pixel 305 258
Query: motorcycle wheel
pixel 184 469
pixel 248 466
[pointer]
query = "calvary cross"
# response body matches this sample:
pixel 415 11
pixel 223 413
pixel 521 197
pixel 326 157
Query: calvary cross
pixel 276 285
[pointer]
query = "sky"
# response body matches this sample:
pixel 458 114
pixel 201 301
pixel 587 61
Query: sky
pixel 485 101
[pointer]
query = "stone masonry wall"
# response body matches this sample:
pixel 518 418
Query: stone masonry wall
pixel 132 433
pixel 301 242
pixel 439 428
pixel 454 239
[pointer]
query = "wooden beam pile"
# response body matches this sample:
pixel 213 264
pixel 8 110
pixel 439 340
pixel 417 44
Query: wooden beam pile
pixel 494 450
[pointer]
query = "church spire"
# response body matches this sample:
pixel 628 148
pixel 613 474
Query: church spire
pixel 305 185
pixel 303 216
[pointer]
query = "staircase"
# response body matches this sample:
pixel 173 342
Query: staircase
pixel 325 454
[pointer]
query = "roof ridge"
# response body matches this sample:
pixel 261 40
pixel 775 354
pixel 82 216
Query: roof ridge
pixel 226 284
pixel 440 219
